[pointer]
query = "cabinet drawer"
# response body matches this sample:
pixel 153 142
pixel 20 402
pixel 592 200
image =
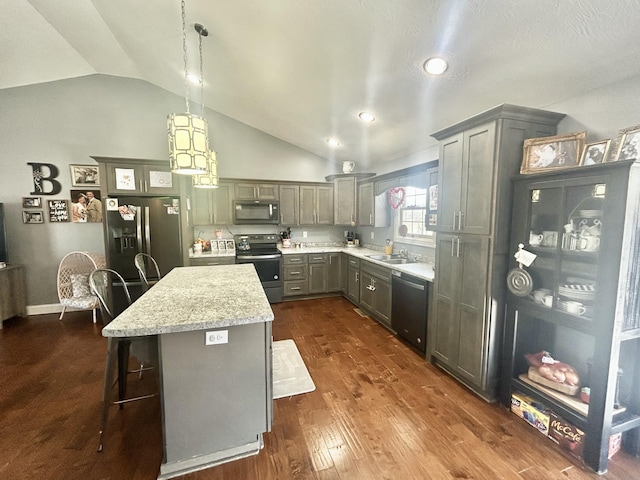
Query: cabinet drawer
pixel 354 262
pixel 294 272
pixel 294 259
pixel 296 288
pixel 317 258
pixel 377 270
pixel 211 261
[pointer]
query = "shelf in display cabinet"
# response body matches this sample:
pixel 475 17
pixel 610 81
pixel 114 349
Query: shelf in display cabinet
pixel 558 317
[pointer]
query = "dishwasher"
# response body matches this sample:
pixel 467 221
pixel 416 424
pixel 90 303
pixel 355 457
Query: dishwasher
pixel 409 308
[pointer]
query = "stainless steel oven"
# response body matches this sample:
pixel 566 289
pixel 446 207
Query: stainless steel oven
pixel 261 250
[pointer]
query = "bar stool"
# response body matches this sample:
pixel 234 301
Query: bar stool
pixel 143 262
pixel 145 349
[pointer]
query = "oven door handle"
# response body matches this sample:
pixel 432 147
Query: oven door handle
pixel 257 257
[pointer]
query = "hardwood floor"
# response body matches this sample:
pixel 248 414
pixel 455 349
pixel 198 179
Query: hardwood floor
pixel 379 411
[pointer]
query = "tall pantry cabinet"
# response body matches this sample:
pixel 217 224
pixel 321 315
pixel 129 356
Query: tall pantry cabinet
pixel 478 156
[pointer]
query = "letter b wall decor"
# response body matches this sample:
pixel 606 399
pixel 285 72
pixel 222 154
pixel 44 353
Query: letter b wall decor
pixel 40 180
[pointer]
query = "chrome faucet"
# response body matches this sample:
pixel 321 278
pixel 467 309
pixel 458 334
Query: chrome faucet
pixel 404 253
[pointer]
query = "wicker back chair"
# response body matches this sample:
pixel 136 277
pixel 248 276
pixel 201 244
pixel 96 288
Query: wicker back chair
pixel 73 281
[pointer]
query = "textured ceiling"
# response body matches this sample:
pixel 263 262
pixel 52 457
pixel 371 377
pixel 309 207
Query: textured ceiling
pixel 301 70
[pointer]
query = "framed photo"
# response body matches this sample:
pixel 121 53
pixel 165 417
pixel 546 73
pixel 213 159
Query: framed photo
pixel 595 153
pixel 31 202
pixel 86 206
pixel 629 145
pixel 33 217
pixel 85 176
pixel 58 210
pixel 552 153
pixel 230 245
pixel 222 246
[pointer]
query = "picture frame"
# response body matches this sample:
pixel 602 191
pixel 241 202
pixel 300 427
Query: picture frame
pixel 31 202
pixel 552 153
pixel 595 153
pixel 222 245
pixel 85 176
pixel 629 145
pixel 32 216
pixel 230 245
pixel 84 213
pixel 58 210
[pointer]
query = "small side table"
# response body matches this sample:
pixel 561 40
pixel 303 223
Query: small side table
pixel 13 297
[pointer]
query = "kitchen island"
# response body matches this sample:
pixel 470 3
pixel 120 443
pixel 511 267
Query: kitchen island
pixel 215 373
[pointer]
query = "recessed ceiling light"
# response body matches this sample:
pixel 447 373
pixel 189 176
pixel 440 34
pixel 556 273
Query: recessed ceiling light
pixel 435 66
pixel 195 79
pixel 366 117
pixel 333 142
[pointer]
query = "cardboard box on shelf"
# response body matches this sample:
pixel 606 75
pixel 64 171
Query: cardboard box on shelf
pixel 615 444
pixel 565 434
pixel 531 411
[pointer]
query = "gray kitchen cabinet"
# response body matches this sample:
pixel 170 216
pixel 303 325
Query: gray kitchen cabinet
pixel 344 194
pixel 366 205
pixel 294 275
pixel 256 191
pixel 317 272
pixel 478 158
pixel 334 272
pixel 212 206
pixel 316 205
pixel 138 177
pixel 457 336
pixel 211 261
pixel 289 204
pixel 375 291
pixel 344 273
pixel 353 279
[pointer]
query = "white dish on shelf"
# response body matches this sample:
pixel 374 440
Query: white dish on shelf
pixel 589 213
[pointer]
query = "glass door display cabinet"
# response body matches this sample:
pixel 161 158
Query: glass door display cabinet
pixel 573 315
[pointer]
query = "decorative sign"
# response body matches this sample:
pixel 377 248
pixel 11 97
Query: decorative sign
pixel 125 179
pixel 58 210
pixel 160 179
pixel 44 173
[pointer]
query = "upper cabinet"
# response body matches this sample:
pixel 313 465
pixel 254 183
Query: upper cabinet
pixel 289 204
pixel 137 177
pixel 256 191
pixel 212 206
pixel 316 205
pixel 344 193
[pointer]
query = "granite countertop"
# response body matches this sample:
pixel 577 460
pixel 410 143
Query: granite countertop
pixel 418 269
pixel 195 298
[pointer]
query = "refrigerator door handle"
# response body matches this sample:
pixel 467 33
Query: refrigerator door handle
pixel 139 227
pixel 147 236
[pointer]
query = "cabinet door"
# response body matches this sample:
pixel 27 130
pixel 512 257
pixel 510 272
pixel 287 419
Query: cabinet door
pixel 124 179
pixel 366 290
pixel 317 277
pixel 334 272
pixel 324 208
pixel 345 201
pixel 449 178
pixel 365 204
pixel 307 205
pixel 160 181
pixel 246 191
pixel 222 204
pixel 459 296
pixel 353 285
pixel 382 301
pixel 289 204
pixel 477 179
pixel 201 212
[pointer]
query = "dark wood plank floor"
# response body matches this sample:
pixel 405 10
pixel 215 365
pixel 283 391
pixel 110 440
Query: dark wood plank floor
pixel 379 411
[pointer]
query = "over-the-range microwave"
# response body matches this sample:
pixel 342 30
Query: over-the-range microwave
pixel 255 212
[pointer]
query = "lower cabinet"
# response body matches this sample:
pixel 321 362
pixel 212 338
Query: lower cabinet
pixel 334 272
pixel 460 322
pixel 317 272
pixel 211 261
pixel 353 279
pixel 375 291
pixel 312 273
pixel 294 275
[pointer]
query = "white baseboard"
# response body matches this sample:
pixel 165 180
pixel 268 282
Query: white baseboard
pixel 44 309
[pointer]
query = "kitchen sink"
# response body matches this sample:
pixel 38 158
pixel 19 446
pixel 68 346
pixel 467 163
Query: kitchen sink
pixel 393 259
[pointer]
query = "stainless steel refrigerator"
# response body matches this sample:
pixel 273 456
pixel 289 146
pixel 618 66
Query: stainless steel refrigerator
pixel 142 224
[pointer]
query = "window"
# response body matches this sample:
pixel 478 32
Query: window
pixel 413 216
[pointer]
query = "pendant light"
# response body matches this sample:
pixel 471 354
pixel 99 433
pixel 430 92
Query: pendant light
pixel 189 133
pixel 209 180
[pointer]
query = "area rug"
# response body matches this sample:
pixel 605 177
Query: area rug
pixel 290 375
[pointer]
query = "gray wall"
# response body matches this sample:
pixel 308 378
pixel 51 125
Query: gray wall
pixel 66 122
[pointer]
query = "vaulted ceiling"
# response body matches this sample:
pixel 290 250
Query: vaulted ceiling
pixel 302 70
